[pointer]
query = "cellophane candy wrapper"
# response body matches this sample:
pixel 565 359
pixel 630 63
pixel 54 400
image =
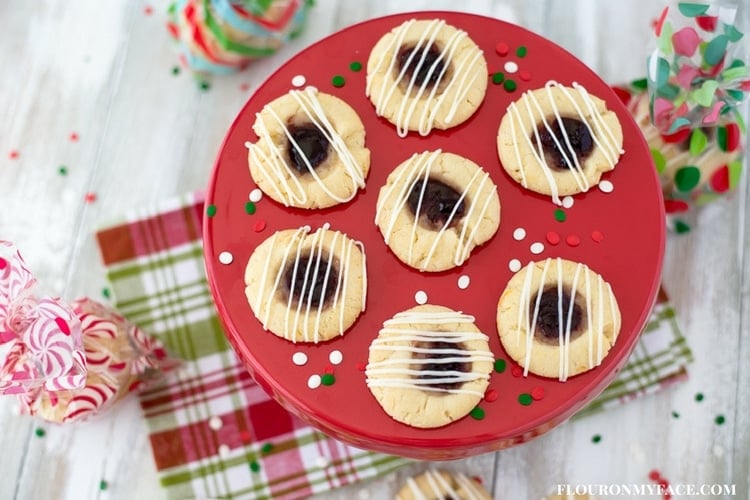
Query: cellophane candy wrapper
pixel 68 362
pixel 224 36
pixel 691 105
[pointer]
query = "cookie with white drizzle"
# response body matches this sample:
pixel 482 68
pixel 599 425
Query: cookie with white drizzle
pixel 559 140
pixel 435 209
pixel 310 151
pixel 558 318
pixel 307 287
pixel 429 366
pixel 424 75
pixel 440 484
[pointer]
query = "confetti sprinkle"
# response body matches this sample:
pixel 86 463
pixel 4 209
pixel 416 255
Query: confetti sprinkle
pixel 14 154
pixel 62 170
pixel 266 449
pixel 654 475
pixel 226 258
pixel 211 210
pixel 420 297
pixel 524 75
pixel 250 208
pixel 90 197
pixel 568 201
pixel 463 282
pixel 500 365
pixel 536 248
pixel 491 395
pixel 106 293
pixel 519 234
pixel 502 49
pixel 361 366
pixel 675 414
pixel 537 393
pixel 477 413
pixel 259 226
pixel 175 70
pixel 596 438
pixel 525 399
pixel 720 419
pixel 328 369
pixel 514 265
pixel 560 215
pixel 699 397
pixel 299 81
pixel 314 381
pixel 254 466
pixel 336 357
pixel 573 240
pixel 553 238
pixel 355 66
pixel 215 423
pixel 338 81
pixel 510 67
pixel 521 51
pixel 299 358
pixel 597 236
pixel 328 379
pixel 256 195
pixel 39 432
pixel 516 371
pixel 103 485
pixel 148 10
pixel 606 187
pixel 498 78
pixel 204 86
pixel 510 85
pixel 245 87
pixel 73 137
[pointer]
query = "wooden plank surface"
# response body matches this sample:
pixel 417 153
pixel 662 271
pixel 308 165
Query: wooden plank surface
pixel 103 70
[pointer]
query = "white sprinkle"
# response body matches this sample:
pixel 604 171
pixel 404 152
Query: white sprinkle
pixel 463 282
pixel 606 187
pixel 519 234
pixel 224 451
pixel 299 81
pixel 718 451
pixel 336 357
pixel 567 202
pixel 226 258
pixel 256 195
pixel 215 423
pixel 299 358
pixel 420 297
pixel 536 248
pixel 313 382
pixel 514 265
pixel 511 67
pixel 321 462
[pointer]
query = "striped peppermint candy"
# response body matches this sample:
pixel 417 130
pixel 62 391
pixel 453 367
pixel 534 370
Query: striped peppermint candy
pixel 16 282
pixel 90 400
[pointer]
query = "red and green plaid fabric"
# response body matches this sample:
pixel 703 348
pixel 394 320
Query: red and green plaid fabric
pixel 214 432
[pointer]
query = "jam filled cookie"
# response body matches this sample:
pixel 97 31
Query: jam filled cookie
pixel 559 140
pixel 441 484
pixel 429 366
pixel 424 75
pixel 307 287
pixel 557 318
pixel 435 208
pixel 311 150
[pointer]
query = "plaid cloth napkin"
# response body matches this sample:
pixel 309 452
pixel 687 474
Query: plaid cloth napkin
pixel 214 432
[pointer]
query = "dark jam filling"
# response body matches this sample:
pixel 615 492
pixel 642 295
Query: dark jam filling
pixel 299 288
pixel 578 135
pixel 438 203
pixel 436 347
pixel 423 75
pixel 548 319
pixel 313 144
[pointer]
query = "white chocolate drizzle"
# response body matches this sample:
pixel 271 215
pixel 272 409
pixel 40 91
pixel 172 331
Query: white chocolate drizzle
pixel 417 171
pixel 304 306
pixel 460 83
pixel 440 487
pixel 526 114
pixel 394 337
pixel 595 320
pixel 274 166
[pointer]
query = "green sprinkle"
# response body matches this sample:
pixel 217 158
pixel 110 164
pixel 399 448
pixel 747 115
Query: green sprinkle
pixel 204 85
pixel 103 485
pixel 250 207
pixel 681 227
pixel 63 170
pixel 254 466
pixel 477 413
pixel 521 51
pixel 675 414
pixel 720 420
pixel 699 397
pixel 500 365
pixel 510 85
pixel 106 293
pixel 687 178
pixel 211 210
pixel 640 84
pixel 40 432
pixel 175 70
pixel 497 78
pixel 596 438
pixel 560 215
pixel 355 66
pixel 338 81
pixel 525 399
pixel 328 379
pixel 266 449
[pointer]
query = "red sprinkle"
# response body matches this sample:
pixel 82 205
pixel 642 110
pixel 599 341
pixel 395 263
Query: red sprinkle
pixel 597 236
pixel 654 475
pixel 477 479
pixel 13 154
pixel 553 238
pixel 537 393
pixel 90 197
pixel 328 369
pixel 516 371
pixel 573 240
pixel 502 49
pixel 245 87
pixel 259 226
pixel 491 395
pixel 245 436
pixel 173 30
pixel 524 75
pixel 361 366
pixel 74 137
pixel 148 10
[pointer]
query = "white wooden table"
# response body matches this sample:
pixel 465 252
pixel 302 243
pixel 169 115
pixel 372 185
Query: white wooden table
pixel 103 71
